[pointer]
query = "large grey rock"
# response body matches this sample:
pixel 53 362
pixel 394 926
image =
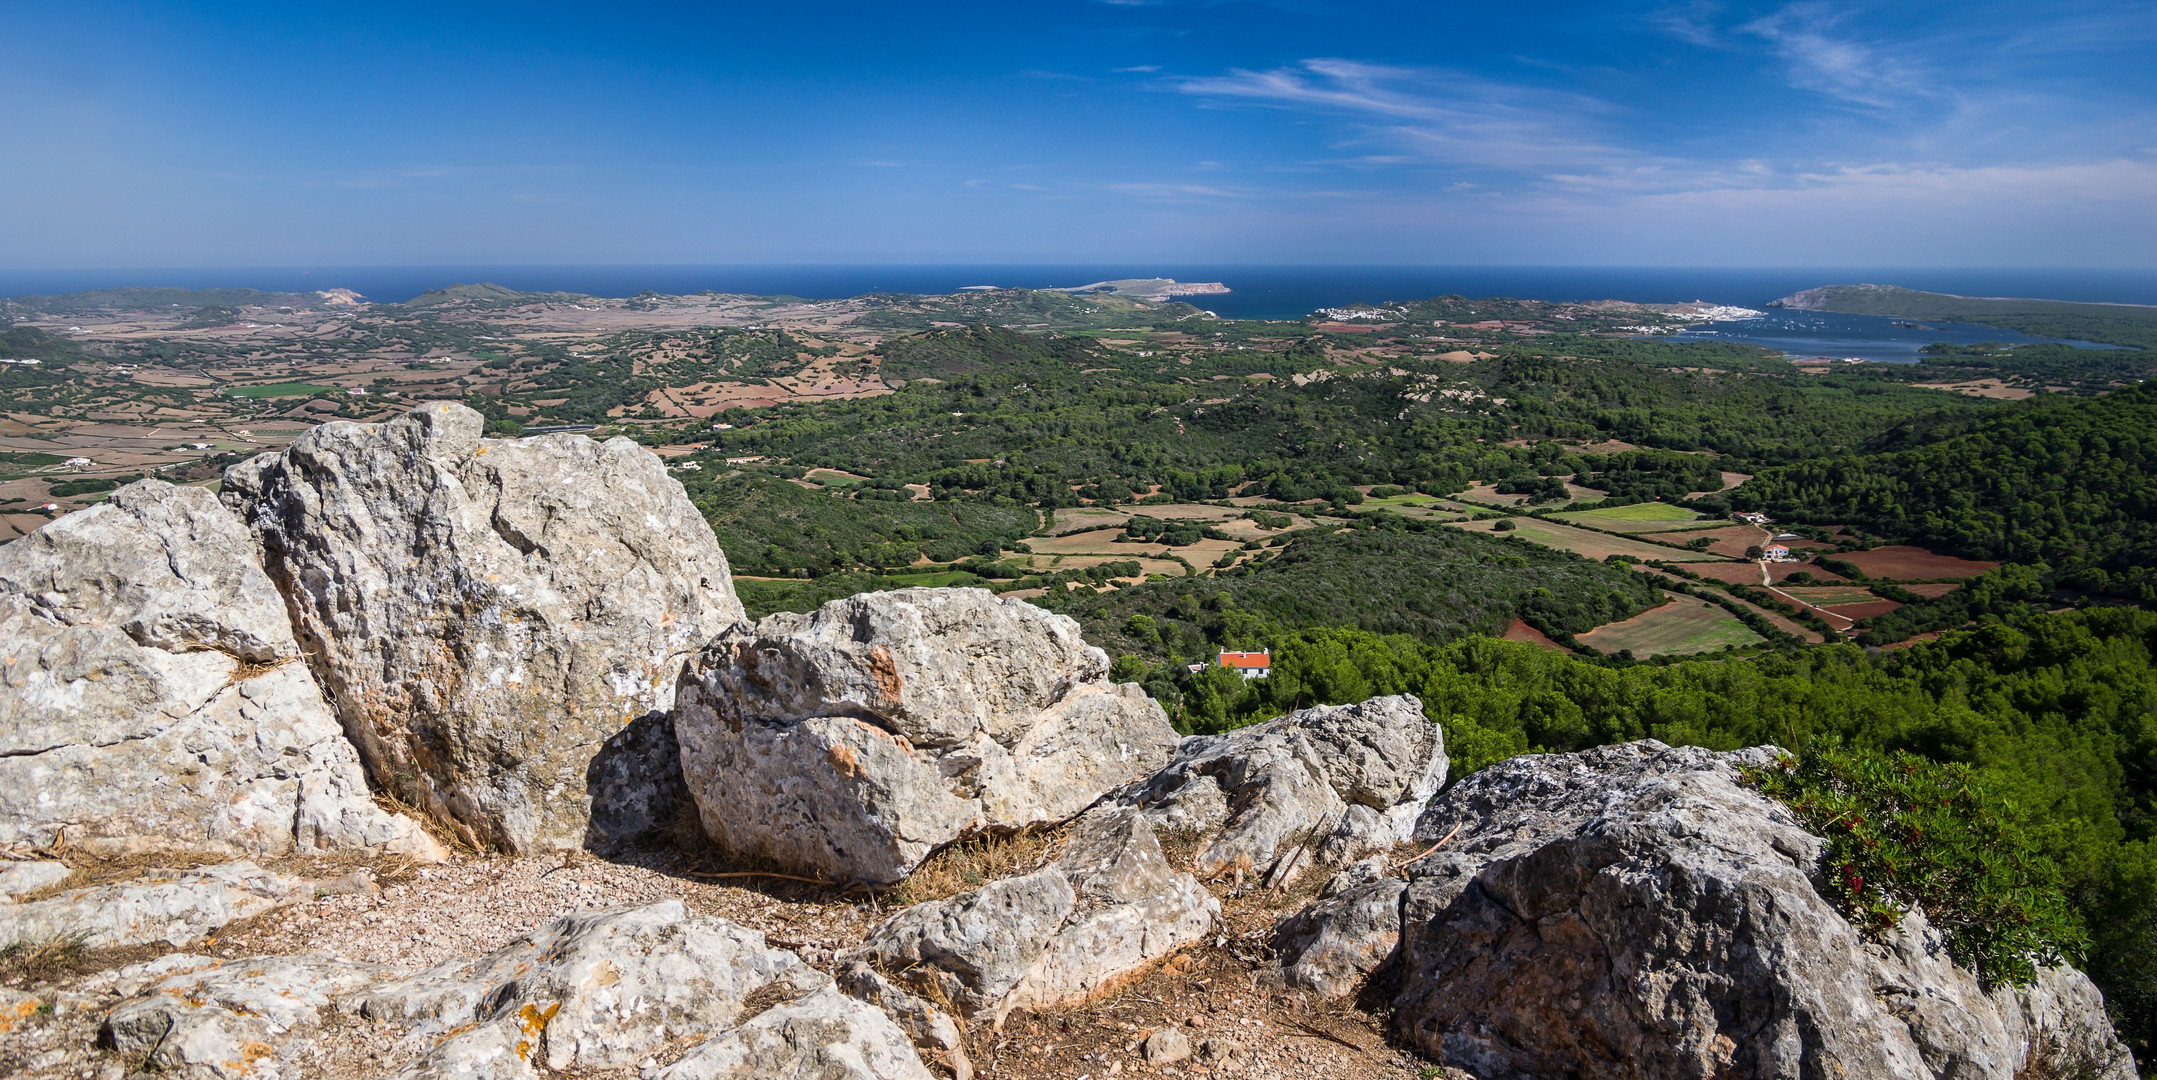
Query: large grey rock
pixel 486 613
pixel 933 1031
pixel 1329 783
pixel 589 994
pixel 1332 946
pixel 854 741
pixel 1108 907
pixel 592 991
pixel 151 696
pixel 227 1019
pixel 1637 911
pixel 177 907
pixel 824 1035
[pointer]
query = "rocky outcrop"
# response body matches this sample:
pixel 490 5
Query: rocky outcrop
pixel 197 1016
pixel 1329 783
pixel 152 696
pixel 1332 946
pixel 824 1035
pixel 485 613
pixel 604 991
pixel 854 741
pixel 1637 911
pixel 1105 909
pixel 178 907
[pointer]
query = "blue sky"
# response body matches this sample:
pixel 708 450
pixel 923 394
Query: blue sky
pixel 1694 133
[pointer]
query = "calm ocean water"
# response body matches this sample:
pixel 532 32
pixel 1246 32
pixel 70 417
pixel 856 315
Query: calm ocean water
pixel 1260 292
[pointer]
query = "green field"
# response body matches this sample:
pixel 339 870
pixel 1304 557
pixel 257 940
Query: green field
pixel 1588 545
pixel 1638 517
pixel 283 389
pixel 1680 628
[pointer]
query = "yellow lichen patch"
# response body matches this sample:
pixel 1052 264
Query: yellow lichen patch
pixel 16 1014
pixel 533 1020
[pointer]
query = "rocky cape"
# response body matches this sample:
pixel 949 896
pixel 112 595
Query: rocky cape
pixel 400 644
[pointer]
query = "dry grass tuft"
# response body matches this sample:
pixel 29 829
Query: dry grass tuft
pixel 25 964
pixel 974 862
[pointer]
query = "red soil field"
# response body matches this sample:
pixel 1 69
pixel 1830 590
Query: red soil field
pixel 1905 561
pixel 1529 635
pixel 1863 611
pixel 1933 590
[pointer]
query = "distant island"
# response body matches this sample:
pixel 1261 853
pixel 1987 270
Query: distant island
pixel 2133 325
pixel 1155 289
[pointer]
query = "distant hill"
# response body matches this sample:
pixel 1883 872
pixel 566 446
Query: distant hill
pixel 2114 324
pixel 2057 479
pixel 159 298
pixel 485 294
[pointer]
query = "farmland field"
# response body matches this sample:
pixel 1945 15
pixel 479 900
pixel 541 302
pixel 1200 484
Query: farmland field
pixel 1590 545
pixel 1636 518
pixel 1933 590
pixel 1678 628
pixel 1487 495
pixel 285 389
pixel 1905 561
pixel 1865 610
pixel 1830 595
pixel 1748 573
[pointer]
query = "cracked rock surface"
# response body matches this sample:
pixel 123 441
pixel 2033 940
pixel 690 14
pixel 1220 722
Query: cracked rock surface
pixel 486 613
pixel 853 741
pixel 177 907
pixel 1107 907
pixel 650 989
pixel 152 696
pixel 1638 911
pixel 1329 783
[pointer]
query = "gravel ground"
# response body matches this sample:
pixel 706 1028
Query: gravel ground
pixel 408 918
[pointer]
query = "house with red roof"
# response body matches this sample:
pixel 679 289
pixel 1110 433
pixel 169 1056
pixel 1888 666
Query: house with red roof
pixel 1250 665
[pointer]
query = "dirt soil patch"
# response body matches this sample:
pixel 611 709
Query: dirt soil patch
pixel 1931 590
pixel 1529 635
pixel 1748 573
pixel 1865 610
pixel 1909 561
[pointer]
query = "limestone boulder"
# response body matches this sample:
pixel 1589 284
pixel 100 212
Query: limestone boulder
pixel 599 993
pixel 1638 910
pixel 824 1035
pixel 153 695
pixel 1333 946
pixel 202 1017
pixel 486 613
pixel 594 991
pixel 1108 907
pixel 178 907
pixel 1331 783
pixel 853 741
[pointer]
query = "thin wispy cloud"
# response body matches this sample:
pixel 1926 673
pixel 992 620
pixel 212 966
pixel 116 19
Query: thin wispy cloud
pixel 1693 22
pixel 1824 58
pixel 1432 114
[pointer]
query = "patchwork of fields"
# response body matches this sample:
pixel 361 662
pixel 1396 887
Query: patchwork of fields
pixel 1681 627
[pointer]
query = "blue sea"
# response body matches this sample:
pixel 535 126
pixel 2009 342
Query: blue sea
pixel 1259 292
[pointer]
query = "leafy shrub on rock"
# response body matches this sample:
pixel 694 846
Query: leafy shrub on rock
pixel 1903 832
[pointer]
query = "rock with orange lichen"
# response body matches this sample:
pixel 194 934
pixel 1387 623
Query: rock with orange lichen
pixel 852 742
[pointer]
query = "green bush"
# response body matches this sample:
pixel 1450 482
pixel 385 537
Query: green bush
pixel 1903 831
